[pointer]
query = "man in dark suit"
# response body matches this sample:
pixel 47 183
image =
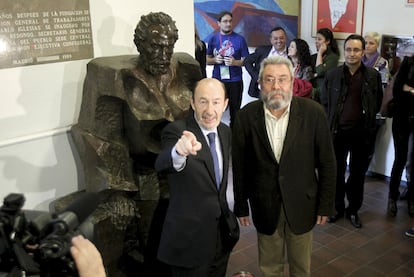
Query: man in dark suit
pixel 252 62
pixel 352 97
pixel 199 231
pixel 284 166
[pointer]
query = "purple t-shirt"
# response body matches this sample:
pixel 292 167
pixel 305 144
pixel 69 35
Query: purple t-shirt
pixel 228 45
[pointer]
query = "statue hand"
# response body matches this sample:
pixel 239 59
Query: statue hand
pixel 187 144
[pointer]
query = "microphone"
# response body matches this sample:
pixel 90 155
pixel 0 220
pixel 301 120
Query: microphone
pixel 77 212
pixel 57 244
pixel 68 220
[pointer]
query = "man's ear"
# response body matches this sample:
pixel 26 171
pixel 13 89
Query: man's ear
pixel 226 102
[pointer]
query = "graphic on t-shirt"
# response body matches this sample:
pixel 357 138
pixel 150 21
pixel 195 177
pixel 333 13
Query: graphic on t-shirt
pixel 226 50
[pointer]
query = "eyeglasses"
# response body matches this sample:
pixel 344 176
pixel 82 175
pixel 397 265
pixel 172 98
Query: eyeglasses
pixel 355 50
pixel 281 81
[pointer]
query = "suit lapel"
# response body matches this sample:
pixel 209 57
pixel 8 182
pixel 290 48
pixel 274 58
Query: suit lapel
pixel 225 149
pixel 267 52
pixel 295 121
pixel 260 129
pixel 294 125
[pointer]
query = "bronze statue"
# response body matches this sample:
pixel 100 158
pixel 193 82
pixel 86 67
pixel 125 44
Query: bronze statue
pixel 127 100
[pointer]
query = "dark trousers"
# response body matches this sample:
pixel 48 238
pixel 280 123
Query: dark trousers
pixel 357 143
pixel 235 94
pixel 215 268
pixel 402 128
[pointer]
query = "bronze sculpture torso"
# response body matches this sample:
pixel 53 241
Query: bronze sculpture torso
pixel 123 112
pixel 127 100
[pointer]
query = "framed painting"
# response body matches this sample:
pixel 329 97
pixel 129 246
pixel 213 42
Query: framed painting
pixel 409 2
pixel 342 17
pixel 253 19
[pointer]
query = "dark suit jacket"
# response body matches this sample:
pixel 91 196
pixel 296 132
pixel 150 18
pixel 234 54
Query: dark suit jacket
pixel 190 229
pixel 303 180
pixel 252 65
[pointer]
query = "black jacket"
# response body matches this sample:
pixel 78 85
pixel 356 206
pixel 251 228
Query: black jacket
pixel 252 65
pixel 333 95
pixel 190 228
pixel 404 100
pixel 303 180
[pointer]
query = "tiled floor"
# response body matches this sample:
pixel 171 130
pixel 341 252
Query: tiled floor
pixel 379 248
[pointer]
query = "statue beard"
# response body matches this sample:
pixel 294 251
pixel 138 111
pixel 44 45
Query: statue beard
pixel 156 70
pixel 276 104
pixel 155 67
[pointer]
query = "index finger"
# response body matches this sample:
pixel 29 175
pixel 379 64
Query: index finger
pixel 192 139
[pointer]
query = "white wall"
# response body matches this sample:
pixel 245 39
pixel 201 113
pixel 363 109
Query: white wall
pixel 39 103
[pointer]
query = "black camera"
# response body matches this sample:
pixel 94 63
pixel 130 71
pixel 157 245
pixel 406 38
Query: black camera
pixel 34 243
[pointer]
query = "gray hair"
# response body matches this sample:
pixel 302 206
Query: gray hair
pixel 275 60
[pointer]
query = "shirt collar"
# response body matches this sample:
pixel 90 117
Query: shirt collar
pixel 282 53
pixel 269 114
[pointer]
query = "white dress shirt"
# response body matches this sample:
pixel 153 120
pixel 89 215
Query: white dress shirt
pixel 276 130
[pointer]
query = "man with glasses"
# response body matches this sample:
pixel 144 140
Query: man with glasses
pixel 252 62
pixel 352 96
pixel 284 167
pixel 226 51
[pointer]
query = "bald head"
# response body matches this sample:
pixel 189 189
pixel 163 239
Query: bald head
pixel 210 82
pixel 209 102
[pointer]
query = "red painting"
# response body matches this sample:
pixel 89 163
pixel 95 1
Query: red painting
pixel 342 17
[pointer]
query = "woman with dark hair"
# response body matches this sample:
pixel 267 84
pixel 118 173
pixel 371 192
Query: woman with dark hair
pixel 325 59
pixel 300 57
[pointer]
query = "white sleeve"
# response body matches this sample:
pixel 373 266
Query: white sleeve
pixel 179 161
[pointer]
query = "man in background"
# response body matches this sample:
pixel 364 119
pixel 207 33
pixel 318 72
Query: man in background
pixel 252 62
pixel 352 96
pixel 227 51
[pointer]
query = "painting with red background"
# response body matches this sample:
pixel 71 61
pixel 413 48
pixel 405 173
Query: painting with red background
pixel 347 22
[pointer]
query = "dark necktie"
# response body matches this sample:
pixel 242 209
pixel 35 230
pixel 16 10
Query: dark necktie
pixel 212 141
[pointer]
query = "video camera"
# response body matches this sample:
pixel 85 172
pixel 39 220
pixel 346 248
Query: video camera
pixel 41 247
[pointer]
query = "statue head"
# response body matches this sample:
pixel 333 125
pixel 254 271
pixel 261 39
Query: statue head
pixel 155 37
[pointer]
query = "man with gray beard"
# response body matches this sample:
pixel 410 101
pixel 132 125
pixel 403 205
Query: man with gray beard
pixel 284 167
